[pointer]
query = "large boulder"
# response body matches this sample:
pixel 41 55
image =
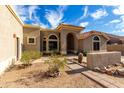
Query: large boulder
pixel 80 57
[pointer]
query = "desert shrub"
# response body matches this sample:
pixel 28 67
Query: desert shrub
pixel 54 52
pixel 35 54
pixel 28 56
pixel 55 65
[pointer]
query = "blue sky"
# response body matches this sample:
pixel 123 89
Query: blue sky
pixel 108 19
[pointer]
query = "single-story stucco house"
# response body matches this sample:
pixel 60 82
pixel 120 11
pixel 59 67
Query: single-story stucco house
pixel 64 39
pixel 16 37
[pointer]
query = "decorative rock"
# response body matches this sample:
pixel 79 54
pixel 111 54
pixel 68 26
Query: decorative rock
pixel 97 69
pixel 117 64
pixel 115 73
pixel 103 69
pixel 80 57
pixel 121 71
pixel 109 66
pixel 110 72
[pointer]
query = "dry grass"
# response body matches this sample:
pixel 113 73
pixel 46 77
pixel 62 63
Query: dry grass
pixel 34 76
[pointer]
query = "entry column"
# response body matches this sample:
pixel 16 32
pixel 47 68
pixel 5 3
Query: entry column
pixel 63 45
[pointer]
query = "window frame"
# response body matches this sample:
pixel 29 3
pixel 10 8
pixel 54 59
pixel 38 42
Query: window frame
pixel 54 40
pixel 33 38
pixel 93 41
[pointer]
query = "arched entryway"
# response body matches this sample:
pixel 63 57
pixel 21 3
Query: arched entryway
pixel 70 43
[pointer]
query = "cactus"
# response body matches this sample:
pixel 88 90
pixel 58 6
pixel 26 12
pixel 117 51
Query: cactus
pixel 80 57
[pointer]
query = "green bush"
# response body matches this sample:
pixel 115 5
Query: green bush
pixel 35 54
pixel 27 56
pixel 55 64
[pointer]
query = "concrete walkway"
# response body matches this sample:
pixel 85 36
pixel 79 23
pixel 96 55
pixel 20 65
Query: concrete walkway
pixel 102 79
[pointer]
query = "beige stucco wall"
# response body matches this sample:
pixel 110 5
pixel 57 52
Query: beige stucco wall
pixel 63 41
pixel 101 59
pixel 8 27
pixel 31 32
pixel 86 44
pixel 119 48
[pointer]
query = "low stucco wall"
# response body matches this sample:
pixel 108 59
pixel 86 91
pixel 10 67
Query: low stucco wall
pixel 119 48
pixel 100 59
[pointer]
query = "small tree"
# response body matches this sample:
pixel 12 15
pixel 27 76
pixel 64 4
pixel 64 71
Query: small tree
pixel 55 64
pixel 28 56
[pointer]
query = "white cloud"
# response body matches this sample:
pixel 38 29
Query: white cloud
pixel 118 10
pixel 85 10
pixel 29 14
pixel 122 17
pixel 32 10
pixel 55 17
pixel 85 14
pixel 84 24
pixel 99 13
pixel 119 27
pixel 115 21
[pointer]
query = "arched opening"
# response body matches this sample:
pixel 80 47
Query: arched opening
pixel 53 43
pixel 96 43
pixel 70 43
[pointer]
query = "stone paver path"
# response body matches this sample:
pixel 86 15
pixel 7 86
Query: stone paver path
pixel 102 79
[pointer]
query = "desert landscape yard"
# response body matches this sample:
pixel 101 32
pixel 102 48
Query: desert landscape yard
pixel 34 77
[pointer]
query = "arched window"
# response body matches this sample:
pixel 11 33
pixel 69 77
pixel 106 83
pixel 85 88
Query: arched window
pixel 96 43
pixel 96 38
pixel 53 43
pixel 52 37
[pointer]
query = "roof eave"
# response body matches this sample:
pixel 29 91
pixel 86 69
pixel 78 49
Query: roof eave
pixel 11 9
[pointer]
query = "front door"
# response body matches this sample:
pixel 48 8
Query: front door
pixel 17 48
pixel 70 43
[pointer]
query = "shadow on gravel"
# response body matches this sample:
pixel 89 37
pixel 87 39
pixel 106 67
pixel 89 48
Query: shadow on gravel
pixel 76 71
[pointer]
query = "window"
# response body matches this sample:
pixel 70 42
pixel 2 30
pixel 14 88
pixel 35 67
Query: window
pixel 53 43
pixel 96 38
pixel 31 40
pixel 96 43
pixel 44 45
pixel 52 37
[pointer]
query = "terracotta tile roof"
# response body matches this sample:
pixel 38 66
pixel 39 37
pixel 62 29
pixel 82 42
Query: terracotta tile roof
pixel 88 34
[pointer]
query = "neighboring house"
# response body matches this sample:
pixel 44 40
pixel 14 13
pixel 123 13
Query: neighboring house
pixel 11 37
